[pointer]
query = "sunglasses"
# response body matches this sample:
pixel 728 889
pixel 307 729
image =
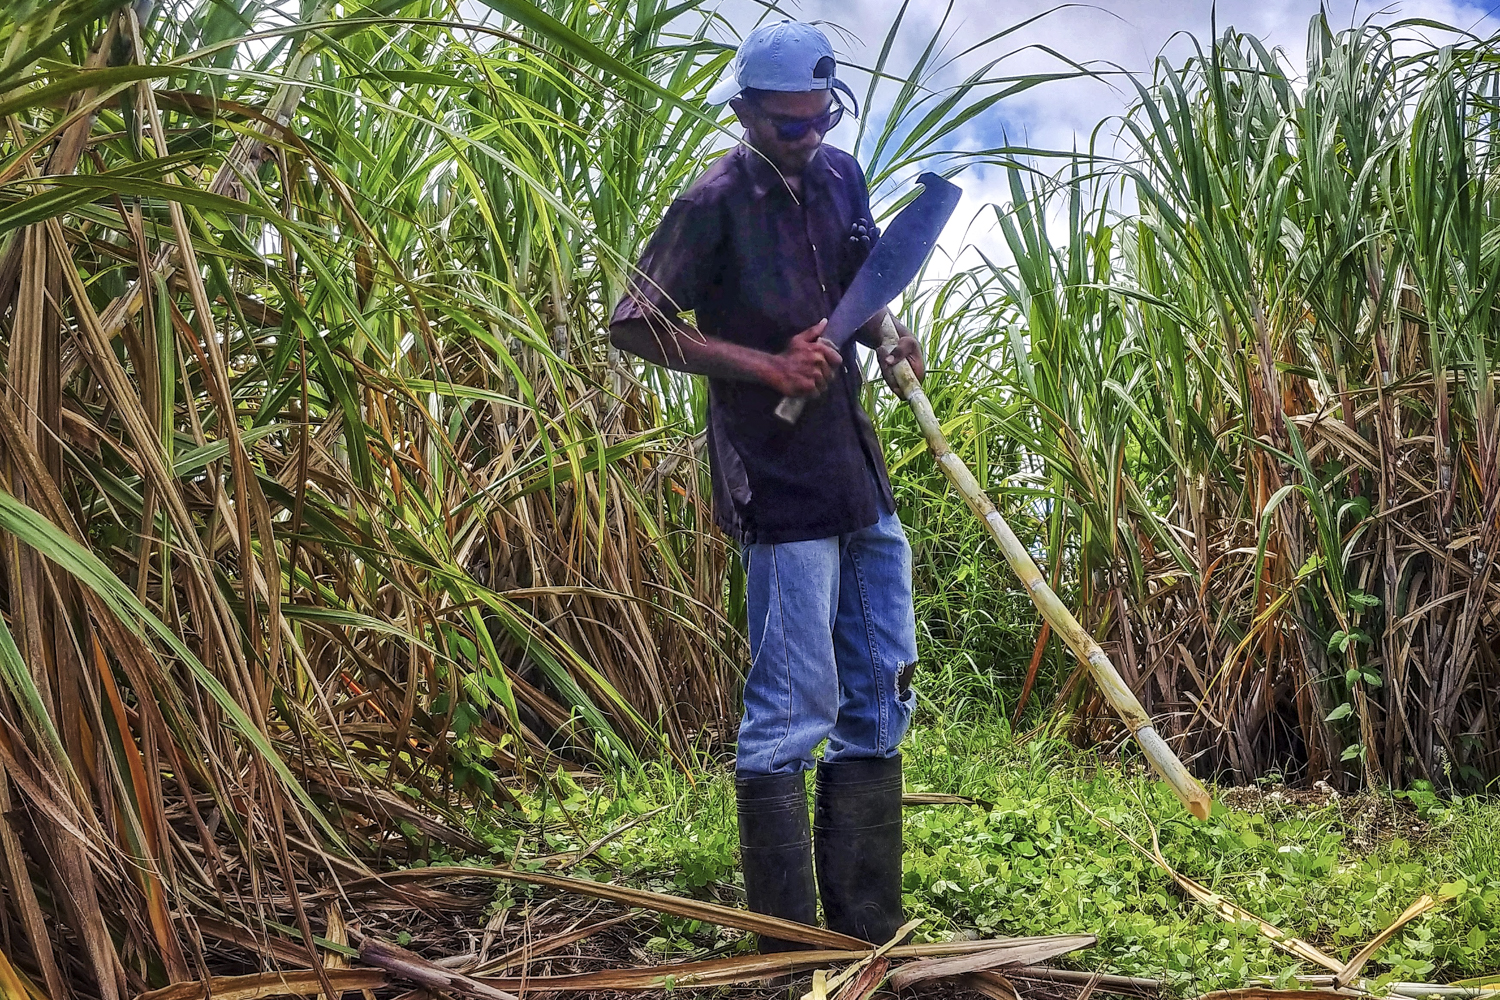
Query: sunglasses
pixel 791 130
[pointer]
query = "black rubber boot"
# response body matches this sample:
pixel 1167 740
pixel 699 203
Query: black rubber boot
pixel 776 851
pixel 857 825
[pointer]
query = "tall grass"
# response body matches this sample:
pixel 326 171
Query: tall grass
pixel 1259 406
pixel 326 511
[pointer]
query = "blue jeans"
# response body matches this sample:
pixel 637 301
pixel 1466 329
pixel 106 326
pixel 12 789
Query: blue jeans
pixel 833 641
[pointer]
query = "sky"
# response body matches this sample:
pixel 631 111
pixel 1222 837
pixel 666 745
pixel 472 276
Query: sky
pixel 1106 35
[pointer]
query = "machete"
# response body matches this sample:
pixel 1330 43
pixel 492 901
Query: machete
pixel 891 266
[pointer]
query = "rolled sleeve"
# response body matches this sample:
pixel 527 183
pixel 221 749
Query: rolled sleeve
pixel 680 261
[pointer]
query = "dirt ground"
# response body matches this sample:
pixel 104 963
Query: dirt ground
pixel 1368 819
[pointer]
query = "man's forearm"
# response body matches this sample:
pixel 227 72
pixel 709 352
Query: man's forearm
pixel 683 349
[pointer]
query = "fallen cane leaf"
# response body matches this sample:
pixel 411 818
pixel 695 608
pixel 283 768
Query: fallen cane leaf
pixel 1089 987
pixel 1489 982
pixel 1110 984
pixel 724 916
pixel 1027 954
pixel 1226 909
pixel 862 985
pixel 531 951
pixel 745 968
pixel 711 972
pixel 939 799
pixel 1343 973
pixel 415 969
pixel 1264 993
pixel 259 985
pixel 819 985
pixel 854 970
pixel 991 984
pixel 1346 975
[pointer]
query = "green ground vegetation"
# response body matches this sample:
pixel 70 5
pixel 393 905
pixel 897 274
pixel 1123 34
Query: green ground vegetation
pixel 1029 858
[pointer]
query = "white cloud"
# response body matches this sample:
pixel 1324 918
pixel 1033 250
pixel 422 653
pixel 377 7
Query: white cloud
pixel 1104 34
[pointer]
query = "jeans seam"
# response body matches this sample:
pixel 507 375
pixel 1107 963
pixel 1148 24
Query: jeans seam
pixel 882 714
pixel 786 660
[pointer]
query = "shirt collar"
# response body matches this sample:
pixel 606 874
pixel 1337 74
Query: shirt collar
pixel 765 178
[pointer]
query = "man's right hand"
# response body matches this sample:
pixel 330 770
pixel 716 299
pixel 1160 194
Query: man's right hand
pixel 806 366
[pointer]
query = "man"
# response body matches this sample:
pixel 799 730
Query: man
pixel 759 251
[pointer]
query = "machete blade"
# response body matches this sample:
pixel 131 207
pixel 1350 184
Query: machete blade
pixel 900 253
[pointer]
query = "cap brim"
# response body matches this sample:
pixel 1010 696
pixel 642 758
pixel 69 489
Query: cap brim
pixel 726 89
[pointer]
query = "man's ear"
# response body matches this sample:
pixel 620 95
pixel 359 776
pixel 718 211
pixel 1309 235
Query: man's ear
pixel 741 109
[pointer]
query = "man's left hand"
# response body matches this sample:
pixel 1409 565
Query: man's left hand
pixel 907 349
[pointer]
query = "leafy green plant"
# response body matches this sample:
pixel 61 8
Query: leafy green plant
pixel 1029 858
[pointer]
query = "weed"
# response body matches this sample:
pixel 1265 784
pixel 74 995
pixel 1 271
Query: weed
pixel 1031 860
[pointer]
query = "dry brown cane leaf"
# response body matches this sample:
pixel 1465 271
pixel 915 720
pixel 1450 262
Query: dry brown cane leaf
pixel 742 969
pixel 1024 953
pixel 304 983
pixel 724 916
pixel 1346 975
pixel 868 980
pixel 991 984
pixel 415 969
pixel 901 934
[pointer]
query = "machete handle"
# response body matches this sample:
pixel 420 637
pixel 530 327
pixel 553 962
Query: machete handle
pixel 789 410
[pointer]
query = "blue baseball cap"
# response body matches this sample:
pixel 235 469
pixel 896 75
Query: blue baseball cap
pixel 788 56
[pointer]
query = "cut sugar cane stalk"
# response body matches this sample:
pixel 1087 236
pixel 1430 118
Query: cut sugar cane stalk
pixel 1114 688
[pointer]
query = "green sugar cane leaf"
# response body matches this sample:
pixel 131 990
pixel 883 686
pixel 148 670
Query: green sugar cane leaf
pixel 22 686
pixel 538 642
pixel 196 458
pixel 67 193
pixel 334 378
pixel 99 8
pixel 34 530
pixel 546 472
pixel 166 363
pixel 111 77
pixel 534 17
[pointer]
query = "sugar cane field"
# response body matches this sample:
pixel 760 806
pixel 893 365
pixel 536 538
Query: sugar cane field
pixel 366 630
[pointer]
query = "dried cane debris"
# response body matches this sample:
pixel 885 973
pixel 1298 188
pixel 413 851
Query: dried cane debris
pixel 865 968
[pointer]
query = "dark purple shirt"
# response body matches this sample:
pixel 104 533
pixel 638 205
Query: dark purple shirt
pixel 756 268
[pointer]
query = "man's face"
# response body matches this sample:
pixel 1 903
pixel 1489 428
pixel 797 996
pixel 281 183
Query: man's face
pixel 761 115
